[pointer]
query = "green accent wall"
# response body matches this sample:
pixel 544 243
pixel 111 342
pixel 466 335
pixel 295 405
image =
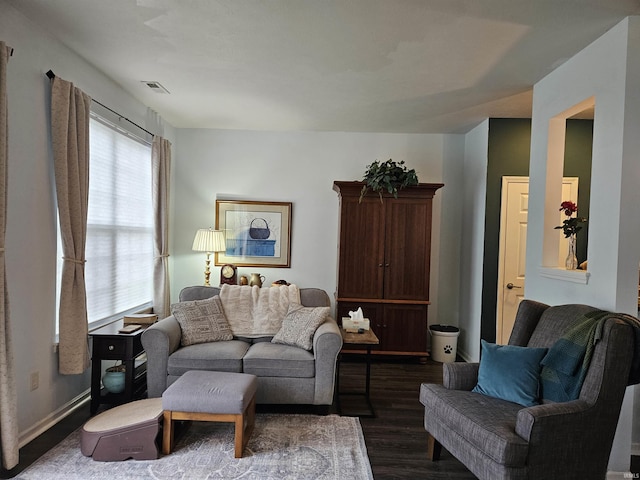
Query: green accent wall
pixel 508 155
pixel 577 163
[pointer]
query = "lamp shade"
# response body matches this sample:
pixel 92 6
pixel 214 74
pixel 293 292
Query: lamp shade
pixel 208 240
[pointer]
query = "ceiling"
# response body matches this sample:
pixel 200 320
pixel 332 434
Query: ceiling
pixel 398 66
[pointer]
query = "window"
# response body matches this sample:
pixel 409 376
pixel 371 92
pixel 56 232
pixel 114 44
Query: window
pixel 119 249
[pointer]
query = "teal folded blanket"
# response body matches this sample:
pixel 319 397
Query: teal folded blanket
pixel 567 362
pixel 565 366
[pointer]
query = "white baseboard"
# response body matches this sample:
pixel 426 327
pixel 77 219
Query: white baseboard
pixel 49 421
pixel 635 449
pixel 462 354
pixel 621 475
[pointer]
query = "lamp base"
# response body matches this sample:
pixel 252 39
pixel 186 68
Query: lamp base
pixel 207 271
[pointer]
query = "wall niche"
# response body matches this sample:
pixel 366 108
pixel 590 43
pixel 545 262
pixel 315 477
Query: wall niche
pixel 570 159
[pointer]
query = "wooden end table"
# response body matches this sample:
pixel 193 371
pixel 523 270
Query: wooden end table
pixel 367 339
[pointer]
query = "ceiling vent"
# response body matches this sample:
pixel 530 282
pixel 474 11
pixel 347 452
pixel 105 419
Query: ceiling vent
pixel 155 86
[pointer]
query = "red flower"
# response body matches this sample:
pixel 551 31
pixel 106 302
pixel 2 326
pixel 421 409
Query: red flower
pixel 569 208
pixel 571 225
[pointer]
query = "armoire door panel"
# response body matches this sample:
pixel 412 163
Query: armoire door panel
pixel 403 328
pixel 408 250
pixel 360 269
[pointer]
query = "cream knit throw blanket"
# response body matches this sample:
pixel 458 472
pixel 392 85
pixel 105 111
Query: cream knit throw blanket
pixel 254 311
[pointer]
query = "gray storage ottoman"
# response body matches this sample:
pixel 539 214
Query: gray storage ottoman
pixel 207 396
pixel 123 432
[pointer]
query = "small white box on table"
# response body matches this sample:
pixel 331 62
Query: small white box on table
pixel 355 320
pixel 348 323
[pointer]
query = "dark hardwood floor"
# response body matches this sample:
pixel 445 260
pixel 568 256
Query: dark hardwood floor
pixel 395 438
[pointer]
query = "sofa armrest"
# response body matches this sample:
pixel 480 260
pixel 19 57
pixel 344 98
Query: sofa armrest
pixel 459 375
pixel 535 423
pixel 159 341
pixel 327 343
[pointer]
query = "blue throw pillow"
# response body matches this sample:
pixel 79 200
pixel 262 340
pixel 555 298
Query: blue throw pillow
pixel 510 372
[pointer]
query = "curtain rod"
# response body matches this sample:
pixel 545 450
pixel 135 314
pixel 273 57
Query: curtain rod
pixel 52 75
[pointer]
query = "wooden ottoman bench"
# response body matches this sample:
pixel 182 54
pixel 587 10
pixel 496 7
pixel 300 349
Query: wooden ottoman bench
pixel 211 397
pixel 123 432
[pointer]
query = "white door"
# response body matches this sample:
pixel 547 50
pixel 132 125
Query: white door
pixel 513 247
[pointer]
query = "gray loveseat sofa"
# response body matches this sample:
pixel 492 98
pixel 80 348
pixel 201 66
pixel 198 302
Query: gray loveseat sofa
pixel 286 374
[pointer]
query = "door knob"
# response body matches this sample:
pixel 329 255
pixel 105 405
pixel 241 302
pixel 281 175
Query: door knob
pixel 511 286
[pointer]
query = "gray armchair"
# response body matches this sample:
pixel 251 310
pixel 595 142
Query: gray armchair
pixel 498 439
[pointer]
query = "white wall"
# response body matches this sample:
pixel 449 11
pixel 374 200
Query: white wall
pixel 608 69
pixel 296 167
pixel 31 227
pixel 299 167
pixel 446 265
pixel 474 195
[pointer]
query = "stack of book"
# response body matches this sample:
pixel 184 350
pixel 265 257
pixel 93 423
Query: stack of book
pixel 143 319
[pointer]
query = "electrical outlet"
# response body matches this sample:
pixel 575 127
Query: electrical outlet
pixel 35 380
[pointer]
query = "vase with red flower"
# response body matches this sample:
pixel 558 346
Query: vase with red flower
pixel 571 262
pixel 570 227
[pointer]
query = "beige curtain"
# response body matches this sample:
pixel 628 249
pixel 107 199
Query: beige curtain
pixel 70 139
pixel 161 156
pixel 8 397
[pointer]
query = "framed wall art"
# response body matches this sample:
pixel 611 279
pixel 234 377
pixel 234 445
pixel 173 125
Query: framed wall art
pixel 256 233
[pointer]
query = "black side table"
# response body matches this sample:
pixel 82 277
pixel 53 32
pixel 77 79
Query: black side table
pixel 367 339
pixel 109 344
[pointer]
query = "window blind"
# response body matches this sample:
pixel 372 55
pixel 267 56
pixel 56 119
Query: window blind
pixel 119 251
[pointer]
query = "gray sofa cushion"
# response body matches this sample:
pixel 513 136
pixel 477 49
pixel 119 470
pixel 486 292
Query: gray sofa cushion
pixel 276 360
pixel 198 292
pixel 485 422
pixel 314 297
pixel 217 356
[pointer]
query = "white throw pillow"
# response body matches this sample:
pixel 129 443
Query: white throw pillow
pixel 300 324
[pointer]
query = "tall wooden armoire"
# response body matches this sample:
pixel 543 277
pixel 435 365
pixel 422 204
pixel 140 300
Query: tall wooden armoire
pixel 384 263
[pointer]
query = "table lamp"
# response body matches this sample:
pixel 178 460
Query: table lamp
pixel 209 241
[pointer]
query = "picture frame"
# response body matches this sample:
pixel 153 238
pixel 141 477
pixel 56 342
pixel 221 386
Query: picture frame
pixel 257 234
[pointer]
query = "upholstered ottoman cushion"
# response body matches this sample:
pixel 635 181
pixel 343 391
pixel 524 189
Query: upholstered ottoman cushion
pixel 123 432
pixel 211 397
pixel 210 392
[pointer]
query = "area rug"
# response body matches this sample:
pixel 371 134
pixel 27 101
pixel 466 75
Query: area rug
pixel 282 447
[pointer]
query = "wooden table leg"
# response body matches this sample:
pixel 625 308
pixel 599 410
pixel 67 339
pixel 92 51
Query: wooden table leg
pixel 167 433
